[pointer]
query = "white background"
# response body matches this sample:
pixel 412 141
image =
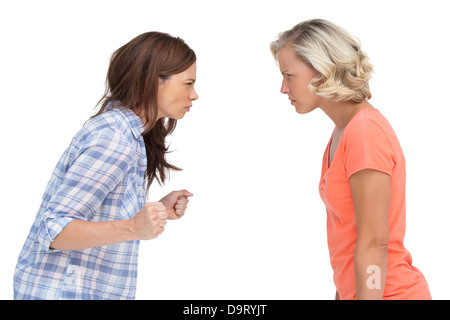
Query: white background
pixel 256 227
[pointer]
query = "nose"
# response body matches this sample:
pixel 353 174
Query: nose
pixel 284 88
pixel 194 95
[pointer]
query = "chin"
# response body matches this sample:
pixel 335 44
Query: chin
pixel 303 109
pixel 177 117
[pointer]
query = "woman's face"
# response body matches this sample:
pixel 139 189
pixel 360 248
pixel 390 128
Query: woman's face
pixel 175 95
pixel 296 76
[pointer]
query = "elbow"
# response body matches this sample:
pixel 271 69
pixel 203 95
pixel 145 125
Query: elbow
pixel 379 244
pixel 50 229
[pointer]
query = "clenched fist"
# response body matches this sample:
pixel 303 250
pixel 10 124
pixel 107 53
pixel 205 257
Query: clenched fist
pixel 176 203
pixel 149 222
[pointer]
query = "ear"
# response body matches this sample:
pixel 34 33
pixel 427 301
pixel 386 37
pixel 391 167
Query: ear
pixel 163 79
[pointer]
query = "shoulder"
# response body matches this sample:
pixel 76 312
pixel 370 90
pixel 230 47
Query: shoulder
pixel 367 119
pixel 369 142
pixel 106 130
pixel 369 126
pixel 111 123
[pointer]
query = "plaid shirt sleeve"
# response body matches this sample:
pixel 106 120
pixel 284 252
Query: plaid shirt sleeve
pixel 100 177
pixel 99 163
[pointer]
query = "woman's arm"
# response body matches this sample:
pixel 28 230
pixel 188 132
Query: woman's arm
pixel 371 191
pixel 148 223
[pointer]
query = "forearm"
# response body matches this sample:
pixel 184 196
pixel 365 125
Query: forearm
pixel 79 234
pixel 370 263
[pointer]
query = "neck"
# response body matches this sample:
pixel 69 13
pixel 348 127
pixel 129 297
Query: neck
pixel 343 111
pixel 141 114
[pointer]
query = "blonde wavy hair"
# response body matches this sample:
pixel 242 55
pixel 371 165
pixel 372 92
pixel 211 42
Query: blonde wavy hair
pixel 344 68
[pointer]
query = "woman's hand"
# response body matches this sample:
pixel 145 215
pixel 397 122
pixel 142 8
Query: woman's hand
pixel 149 222
pixel 176 203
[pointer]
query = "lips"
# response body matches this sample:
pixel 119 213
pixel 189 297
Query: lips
pixel 188 108
pixel 293 101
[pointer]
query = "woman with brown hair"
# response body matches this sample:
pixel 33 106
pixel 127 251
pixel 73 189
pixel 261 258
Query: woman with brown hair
pixel 84 241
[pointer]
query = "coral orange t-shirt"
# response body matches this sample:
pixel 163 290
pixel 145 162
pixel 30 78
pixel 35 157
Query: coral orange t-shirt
pixel 368 142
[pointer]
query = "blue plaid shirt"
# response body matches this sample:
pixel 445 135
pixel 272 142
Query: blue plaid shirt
pixel 100 177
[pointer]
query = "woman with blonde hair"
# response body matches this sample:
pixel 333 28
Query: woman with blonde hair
pixel 85 239
pixel 363 170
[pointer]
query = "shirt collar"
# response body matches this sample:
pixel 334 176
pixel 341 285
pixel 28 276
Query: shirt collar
pixel 136 123
pixel 137 126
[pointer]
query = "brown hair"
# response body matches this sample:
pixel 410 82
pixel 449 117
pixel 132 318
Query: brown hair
pixel 132 80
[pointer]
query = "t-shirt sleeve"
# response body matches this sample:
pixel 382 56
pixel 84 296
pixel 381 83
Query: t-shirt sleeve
pixel 101 164
pixel 367 147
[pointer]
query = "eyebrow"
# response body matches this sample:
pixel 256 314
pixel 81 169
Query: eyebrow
pixel 190 79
